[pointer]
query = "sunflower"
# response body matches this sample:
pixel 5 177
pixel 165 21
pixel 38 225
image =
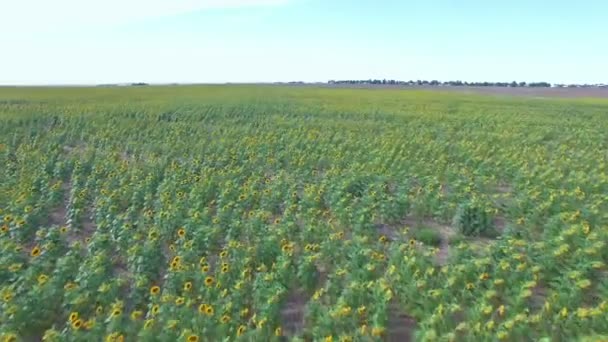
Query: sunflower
pixel 278 331
pixel 484 276
pixel 225 319
pixel 154 290
pixel 277 221
pixel 172 324
pixel 4 228
pixel 15 267
pixel 8 218
pixel 155 309
pixel 9 338
pixel 99 310
pixel 192 338
pixel 470 286
pixel 205 268
pixel 116 312
pixel 241 330
pixel 242 197
pixel 7 297
pixel 76 324
pixel 88 325
pixel 180 301
pixel 148 324
pixel 42 279
pixel 225 268
pixel 209 281
pixel 35 252
pixel 70 286
pixel 377 331
pixel 383 239
pixel 73 316
pixel 223 254
pixel 181 232
pixel 135 315
pixel 188 286
pixel 202 261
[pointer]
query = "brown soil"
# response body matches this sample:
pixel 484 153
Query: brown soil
pixel 292 313
pixel 400 326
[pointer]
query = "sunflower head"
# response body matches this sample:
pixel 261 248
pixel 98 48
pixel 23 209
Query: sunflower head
pixel 188 286
pixel 116 312
pixel 155 309
pixel 76 324
pixel 209 281
pixel 154 290
pixel 35 251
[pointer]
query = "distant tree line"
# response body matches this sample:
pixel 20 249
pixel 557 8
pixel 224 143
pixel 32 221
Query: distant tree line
pixel 446 83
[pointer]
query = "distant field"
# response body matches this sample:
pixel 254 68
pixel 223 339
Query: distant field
pixel 596 92
pixel 261 213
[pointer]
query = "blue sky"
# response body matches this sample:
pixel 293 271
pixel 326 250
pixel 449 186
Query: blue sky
pixel 158 41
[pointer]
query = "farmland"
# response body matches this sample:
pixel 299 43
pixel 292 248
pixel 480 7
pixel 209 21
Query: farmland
pixel 261 213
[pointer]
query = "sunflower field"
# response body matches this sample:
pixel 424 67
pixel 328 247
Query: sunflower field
pixel 268 213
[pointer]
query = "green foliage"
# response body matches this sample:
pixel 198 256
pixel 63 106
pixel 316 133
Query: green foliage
pixel 428 236
pixel 473 220
pixel 209 212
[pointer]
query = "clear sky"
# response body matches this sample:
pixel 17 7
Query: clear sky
pixel 160 41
